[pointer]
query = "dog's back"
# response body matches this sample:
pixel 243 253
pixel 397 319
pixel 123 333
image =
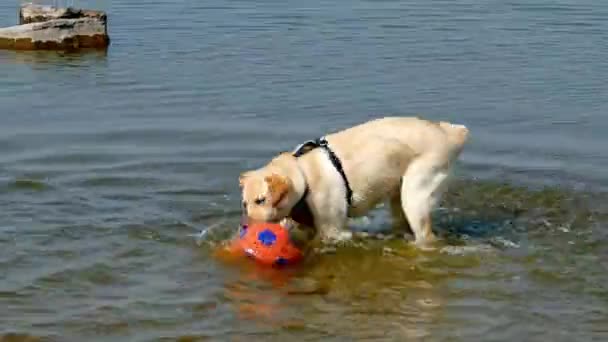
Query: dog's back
pixel 419 134
pixel 377 153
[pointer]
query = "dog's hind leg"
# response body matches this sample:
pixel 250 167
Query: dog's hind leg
pixel 422 186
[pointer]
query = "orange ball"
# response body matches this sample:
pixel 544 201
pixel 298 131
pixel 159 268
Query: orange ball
pixel 267 243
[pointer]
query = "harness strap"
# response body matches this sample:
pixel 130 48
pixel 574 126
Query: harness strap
pixel 322 143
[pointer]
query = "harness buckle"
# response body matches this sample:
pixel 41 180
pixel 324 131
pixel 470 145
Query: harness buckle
pixel 322 142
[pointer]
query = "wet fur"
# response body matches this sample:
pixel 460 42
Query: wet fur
pixel 402 161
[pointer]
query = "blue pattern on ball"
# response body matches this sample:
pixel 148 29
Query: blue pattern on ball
pixel 281 261
pixel 267 237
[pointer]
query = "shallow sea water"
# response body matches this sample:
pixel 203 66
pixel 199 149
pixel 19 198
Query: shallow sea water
pixel 112 163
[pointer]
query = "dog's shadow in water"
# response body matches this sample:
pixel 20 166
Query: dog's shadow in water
pixel 453 227
pixel 458 229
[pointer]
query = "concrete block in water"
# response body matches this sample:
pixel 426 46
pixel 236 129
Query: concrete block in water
pixel 56 28
pixel 31 13
pixel 58 34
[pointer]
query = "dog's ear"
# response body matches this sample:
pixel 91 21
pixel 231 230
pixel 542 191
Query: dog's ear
pixel 242 177
pixel 278 187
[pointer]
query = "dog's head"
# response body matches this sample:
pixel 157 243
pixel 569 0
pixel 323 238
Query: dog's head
pixel 269 193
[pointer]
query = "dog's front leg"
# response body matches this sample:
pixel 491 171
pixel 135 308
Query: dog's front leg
pixel 334 230
pixel 330 216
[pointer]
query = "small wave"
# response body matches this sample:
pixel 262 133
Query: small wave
pixel 466 250
pixel 119 181
pixel 23 337
pixel 27 184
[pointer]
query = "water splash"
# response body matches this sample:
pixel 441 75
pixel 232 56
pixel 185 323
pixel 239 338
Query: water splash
pixel 204 236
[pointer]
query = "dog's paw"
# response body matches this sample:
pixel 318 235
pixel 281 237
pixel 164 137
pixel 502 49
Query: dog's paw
pixel 345 235
pixel 336 237
pixel 428 244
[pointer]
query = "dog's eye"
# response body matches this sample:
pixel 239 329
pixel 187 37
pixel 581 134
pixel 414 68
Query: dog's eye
pixel 260 201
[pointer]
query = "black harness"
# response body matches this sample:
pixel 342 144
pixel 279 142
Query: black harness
pixel 301 212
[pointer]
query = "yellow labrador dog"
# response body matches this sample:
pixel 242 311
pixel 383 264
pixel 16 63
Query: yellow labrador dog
pixel 402 161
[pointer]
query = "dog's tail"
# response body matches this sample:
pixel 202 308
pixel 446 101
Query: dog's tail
pixel 457 135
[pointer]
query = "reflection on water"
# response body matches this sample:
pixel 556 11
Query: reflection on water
pixel 389 289
pixel 382 294
pixel 52 58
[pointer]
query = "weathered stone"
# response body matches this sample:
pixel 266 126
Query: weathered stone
pixel 31 13
pixel 58 34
